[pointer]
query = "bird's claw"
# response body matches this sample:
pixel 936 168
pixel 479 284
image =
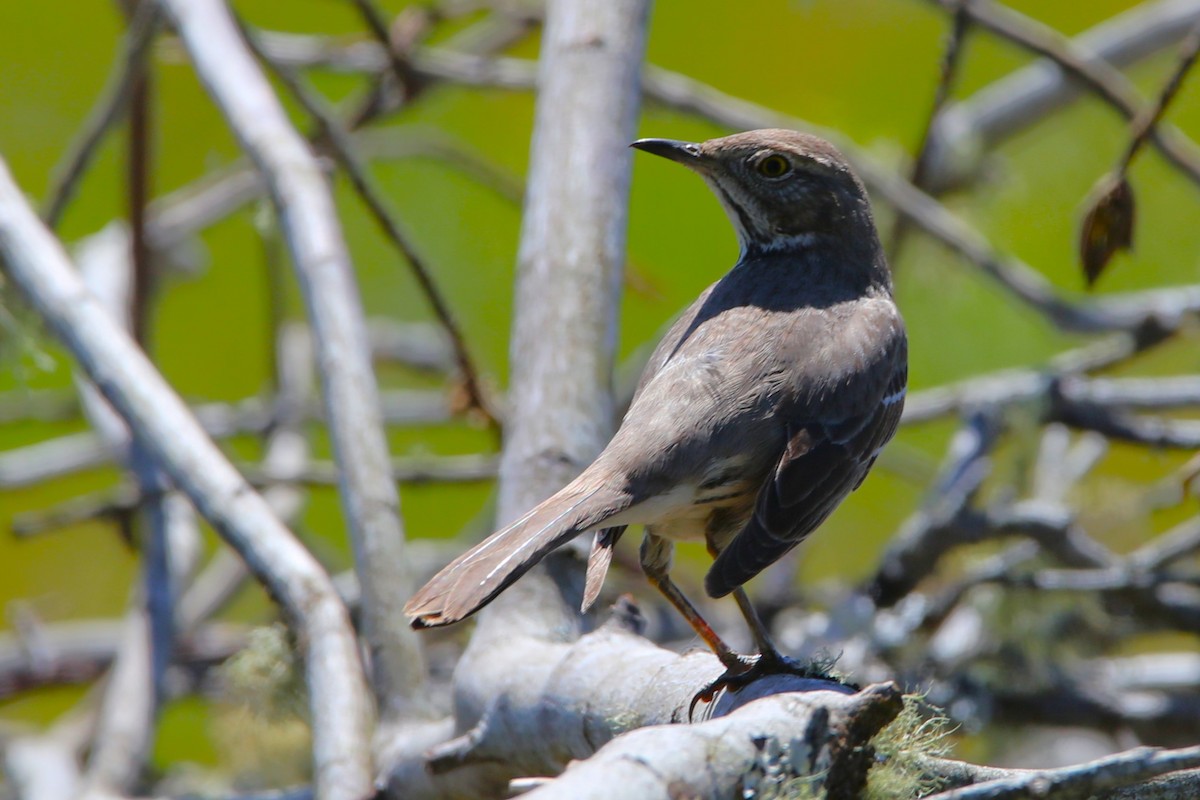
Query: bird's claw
pixel 743 670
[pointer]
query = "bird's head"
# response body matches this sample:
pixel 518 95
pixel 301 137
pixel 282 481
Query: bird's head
pixel 782 189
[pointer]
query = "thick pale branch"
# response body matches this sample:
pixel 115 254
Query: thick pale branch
pixel 302 197
pixel 170 548
pixel 550 702
pixel 570 265
pixel 37 265
pixel 572 247
pixel 761 749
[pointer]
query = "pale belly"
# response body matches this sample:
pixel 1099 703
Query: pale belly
pixel 690 512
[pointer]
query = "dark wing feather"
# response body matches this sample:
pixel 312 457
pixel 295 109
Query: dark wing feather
pixel 821 464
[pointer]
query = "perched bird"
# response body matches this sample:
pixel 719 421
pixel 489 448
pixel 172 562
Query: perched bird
pixel 763 407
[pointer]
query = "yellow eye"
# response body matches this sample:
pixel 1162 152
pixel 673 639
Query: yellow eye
pixel 774 166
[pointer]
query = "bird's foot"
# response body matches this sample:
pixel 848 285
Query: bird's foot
pixel 742 670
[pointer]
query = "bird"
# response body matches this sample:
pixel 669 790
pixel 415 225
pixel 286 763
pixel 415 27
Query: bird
pixel 765 404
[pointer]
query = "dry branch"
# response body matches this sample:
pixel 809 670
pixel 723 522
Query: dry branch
pixel 77 452
pixel 339 142
pixel 552 702
pixel 129 705
pixel 1125 312
pixel 763 749
pixel 112 102
pixel 309 220
pixel 37 265
pixel 1096 778
pixel 80 651
pixel 1069 67
pixel 952 59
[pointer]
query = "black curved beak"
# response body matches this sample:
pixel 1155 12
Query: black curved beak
pixel 686 153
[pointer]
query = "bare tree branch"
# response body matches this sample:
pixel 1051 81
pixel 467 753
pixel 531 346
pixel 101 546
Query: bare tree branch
pixel 757 750
pixel 170 547
pixel 76 452
pixel 916 547
pixel 108 108
pixel 318 251
pixel 572 250
pixel 37 265
pixel 1084 780
pixel 570 262
pixel 951 61
pixel 1088 62
pixel 1115 312
pixel 340 143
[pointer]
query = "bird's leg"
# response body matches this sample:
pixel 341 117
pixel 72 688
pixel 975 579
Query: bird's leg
pixel 656 562
pixel 758 628
pixel 769 662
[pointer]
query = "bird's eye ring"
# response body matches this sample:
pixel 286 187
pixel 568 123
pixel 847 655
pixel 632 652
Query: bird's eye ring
pixel 773 166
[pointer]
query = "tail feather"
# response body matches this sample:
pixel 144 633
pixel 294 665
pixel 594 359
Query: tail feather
pixel 474 579
pixel 598 561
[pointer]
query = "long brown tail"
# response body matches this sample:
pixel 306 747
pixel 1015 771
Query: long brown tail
pixel 473 580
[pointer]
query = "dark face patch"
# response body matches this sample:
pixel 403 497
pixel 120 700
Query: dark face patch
pixel 744 222
pixel 807 189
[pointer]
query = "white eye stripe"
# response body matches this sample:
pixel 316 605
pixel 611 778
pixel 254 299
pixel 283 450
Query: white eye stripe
pixel 891 399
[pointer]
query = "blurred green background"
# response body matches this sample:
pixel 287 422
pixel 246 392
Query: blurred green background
pixel 865 67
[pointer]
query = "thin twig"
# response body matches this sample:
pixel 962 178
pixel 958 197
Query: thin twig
pixel 498 30
pixel 925 536
pixel 42 405
pixel 1113 312
pixel 343 149
pixel 1165 549
pixel 1144 126
pixel 1058 396
pixel 108 108
pixel 1105 81
pixel 1022 98
pixel 1156 432
pixel 407 78
pixel 415 470
pixel 79 651
pixel 77 452
pixel 115 504
pixel 951 59
pixel 132 695
pixel 119 503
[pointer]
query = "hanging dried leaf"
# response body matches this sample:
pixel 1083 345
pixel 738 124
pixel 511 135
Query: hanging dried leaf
pixel 1107 226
